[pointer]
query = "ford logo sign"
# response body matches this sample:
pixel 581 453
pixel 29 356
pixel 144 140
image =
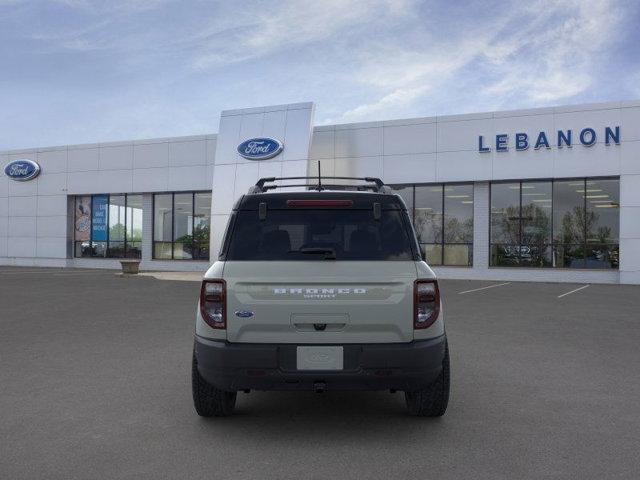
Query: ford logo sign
pixel 244 313
pixel 22 170
pixel 260 148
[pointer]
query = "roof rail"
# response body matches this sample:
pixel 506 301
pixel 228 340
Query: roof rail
pixel 371 183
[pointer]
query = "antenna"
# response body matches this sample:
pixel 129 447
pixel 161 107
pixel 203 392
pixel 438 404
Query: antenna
pixel 319 178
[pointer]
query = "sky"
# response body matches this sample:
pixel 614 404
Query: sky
pixel 80 71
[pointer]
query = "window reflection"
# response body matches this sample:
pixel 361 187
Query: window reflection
pixel 162 225
pixel 108 226
pixel 201 225
pixel 568 212
pixel 117 219
pixel 458 224
pixel 536 201
pixel 505 224
pixel 182 225
pixel 603 223
pixel 565 223
pixel 443 220
pixel 134 226
pixel 406 192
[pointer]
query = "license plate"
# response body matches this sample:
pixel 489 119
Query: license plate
pixel 320 358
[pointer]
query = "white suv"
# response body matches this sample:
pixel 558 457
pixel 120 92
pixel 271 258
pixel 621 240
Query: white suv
pixel 320 290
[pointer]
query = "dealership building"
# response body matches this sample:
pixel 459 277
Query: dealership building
pixel 547 194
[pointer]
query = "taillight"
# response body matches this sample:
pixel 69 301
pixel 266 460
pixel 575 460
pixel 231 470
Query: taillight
pixel 213 303
pixel 426 303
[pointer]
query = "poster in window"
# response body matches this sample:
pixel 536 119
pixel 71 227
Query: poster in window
pixel 99 214
pixel 83 219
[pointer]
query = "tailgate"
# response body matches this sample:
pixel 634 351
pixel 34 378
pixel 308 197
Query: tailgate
pixel 320 302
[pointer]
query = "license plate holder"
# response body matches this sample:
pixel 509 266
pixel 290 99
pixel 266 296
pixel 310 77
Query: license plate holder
pixel 320 358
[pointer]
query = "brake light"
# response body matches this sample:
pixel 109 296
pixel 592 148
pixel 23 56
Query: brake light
pixel 426 303
pixel 319 203
pixel 213 303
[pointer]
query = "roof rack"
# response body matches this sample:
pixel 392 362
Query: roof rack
pixel 371 183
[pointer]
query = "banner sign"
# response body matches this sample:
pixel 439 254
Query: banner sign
pixel 83 219
pixel 99 218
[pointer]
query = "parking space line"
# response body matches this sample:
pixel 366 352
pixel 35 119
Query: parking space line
pixel 483 288
pixel 56 273
pixel 573 291
pixel 24 273
pixel 71 274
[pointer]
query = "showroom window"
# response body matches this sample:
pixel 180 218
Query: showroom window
pixel 442 216
pixel 108 226
pixel 563 224
pixel 181 224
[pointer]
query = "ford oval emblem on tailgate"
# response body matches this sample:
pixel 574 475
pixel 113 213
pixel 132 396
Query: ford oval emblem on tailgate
pixel 243 313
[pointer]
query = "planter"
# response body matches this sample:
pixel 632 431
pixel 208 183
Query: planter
pixel 130 266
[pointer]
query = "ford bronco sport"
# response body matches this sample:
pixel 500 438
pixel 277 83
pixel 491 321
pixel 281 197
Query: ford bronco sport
pixel 320 290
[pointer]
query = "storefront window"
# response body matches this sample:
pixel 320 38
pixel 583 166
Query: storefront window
pixel 458 225
pixel 568 223
pixel 443 219
pixel 134 226
pixel 521 224
pixel 603 223
pixel 181 225
pixel 162 226
pixel 505 224
pixel 536 200
pixel 565 224
pixel 82 226
pixel 108 226
pixel 427 220
pixel 201 225
pixel 117 219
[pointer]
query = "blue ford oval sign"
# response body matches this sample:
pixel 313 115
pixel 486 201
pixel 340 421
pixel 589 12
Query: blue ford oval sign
pixel 244 313
pixel 260 148
pixel 22 170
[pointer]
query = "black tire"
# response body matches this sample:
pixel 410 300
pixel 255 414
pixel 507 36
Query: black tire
pixel 433 400
pixel 208 400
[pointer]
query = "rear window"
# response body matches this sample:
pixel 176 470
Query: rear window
pixel 319 235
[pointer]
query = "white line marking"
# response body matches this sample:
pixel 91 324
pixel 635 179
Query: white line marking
pixel 573 291
pixel 484 288
pixel 55 274
pixel 77 273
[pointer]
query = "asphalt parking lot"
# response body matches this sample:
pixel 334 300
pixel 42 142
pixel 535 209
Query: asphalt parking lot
pixel 95 383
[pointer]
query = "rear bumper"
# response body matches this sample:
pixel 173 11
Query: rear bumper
pixel 400 366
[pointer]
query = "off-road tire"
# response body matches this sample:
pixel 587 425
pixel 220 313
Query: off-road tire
pixel 431 401
pixel 208 400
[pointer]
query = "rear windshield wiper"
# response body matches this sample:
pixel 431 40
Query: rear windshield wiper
pixel 329 253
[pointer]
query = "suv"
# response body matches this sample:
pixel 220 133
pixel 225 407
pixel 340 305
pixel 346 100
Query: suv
pixel 320 290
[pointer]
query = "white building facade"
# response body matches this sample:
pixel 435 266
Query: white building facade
pixel 549 194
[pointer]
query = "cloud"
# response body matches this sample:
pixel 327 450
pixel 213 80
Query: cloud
pixel 399 97
pixel 542 53
pixel 555 63
pixel 408 76
pixel 121 69
pixel 287 25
